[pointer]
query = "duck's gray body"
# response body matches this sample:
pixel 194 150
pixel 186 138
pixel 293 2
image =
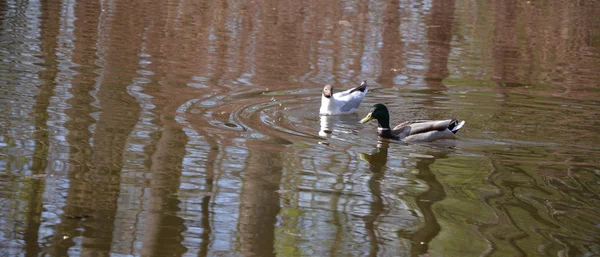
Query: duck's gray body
pixel 412 131
pixel 426 130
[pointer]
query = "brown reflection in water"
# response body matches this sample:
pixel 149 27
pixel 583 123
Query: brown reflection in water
pixel 377 163
pixel 393 47
pixel 274 34
pixel 279 46
pixel 577 52
pixel 570 35
pixel 505 52
pixel 431 228
pixel 543 43
pixel 222 41
pixel 346 29
pixel 107 157
pixel 440 23
pixel 259 200
pixel 196 45
pixel 95 172
pixel 51 17
pixel 79 134
pixel 163 227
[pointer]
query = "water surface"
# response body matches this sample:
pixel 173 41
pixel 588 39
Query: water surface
pixel 191 128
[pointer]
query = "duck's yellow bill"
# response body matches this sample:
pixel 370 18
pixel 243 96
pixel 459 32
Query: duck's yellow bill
pixel 366 119
pixel 364 157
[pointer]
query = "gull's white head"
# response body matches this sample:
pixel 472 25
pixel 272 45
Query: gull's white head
pixel 327 91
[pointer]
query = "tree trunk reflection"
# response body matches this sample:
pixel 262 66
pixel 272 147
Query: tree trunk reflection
pixel 259 202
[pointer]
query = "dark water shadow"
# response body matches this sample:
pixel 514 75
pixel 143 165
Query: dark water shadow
pixel 206 200
pixel 377 164
pixel 430 229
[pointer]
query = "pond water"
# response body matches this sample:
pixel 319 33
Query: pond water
pixel 191 128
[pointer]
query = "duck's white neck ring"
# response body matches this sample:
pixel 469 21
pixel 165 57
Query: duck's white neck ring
pixel 381 129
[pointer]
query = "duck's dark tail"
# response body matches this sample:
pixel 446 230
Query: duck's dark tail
pixel 455 125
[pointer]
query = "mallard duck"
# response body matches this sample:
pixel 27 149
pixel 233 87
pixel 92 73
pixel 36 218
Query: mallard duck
pixel 417 130
pixel 345 102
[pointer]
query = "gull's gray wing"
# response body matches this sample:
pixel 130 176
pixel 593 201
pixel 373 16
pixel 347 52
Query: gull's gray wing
pixel 351 104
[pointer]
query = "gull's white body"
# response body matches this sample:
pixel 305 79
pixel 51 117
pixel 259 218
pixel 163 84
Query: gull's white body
pixel 344 102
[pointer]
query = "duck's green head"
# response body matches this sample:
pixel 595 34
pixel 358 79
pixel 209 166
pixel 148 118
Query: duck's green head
pixel 380 113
